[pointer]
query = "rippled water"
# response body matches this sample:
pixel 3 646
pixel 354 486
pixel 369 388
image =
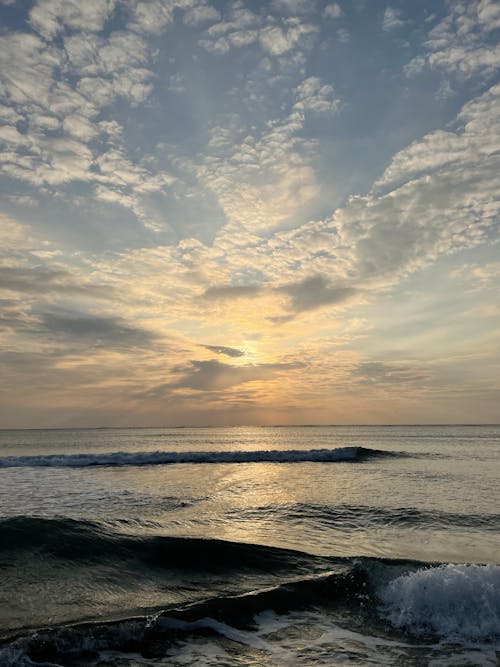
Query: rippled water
pixel 107 524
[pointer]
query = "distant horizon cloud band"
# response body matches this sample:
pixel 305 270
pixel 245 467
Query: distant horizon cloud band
pixel 228 213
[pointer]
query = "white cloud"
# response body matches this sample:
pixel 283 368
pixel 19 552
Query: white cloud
pixel 392 20
pixel 316 97
pixel 477 139
pixel 262 180
pixel 241 38
pixel 458 43
pixel 13 234
pixel 28 66
pixel 9 115
pixel 43 121
pixel 488 12
pixel 332 11
pixel 344 36
pixel 11 135
pixel 480 275
pixel 91 54
pixel 217 46
pixel 48 17
pixel 294 6
pixel 79 127
pixel 197 15
pixel 276 40
pixel 242 27
pixel 441 196
pixel 151 16
pixel 63 90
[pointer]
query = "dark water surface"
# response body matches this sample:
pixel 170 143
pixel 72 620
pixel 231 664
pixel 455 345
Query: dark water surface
pixel 250 546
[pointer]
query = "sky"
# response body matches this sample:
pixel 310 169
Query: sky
pixel 245 212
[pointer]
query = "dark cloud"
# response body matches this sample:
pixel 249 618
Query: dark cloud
pixel 41 280
pixel 72 329
pixel 12 316
pixel 27 362
pixel 95 330
pixel 231 291
pixel 377 372
pixel 308 294
pixel 222 349
pixel 281 319
pixel 315 292
pixel 213 376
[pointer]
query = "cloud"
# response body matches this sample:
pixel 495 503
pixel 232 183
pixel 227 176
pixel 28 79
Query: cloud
pixel 113 66
pixel 392 20
pixel 102 146
pixel 199 14
pixel 332 11
pixel 241 27
pixel 460 43
pixel 452 150
pixel 294 6
pixel 227 351
pixel 27 77
pixel 315 97
pixel 14 235
pixel 315 292
pixel 263 178
pixel 480 276
pixel 151 16
pixel 13 317
pixel 231 291
pixel 213 375
pixel 308 294
pixel 59 89
pixel 276 40
pixel 404 373
pixel 488 12
pixel 80 127
pixel 59 92
pixel 95 330
pixel 44 280
pixel 49 17
pixel 437 196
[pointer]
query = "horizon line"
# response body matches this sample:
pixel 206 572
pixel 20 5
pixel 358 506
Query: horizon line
pixel 212 426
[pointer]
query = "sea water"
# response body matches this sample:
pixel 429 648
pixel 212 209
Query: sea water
pixel 250 546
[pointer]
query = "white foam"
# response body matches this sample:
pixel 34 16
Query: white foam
pixel 164 458
pixel 240 636
pixel 452 602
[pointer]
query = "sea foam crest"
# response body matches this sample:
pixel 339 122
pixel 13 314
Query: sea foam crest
pixel 163 458
pixel 452 602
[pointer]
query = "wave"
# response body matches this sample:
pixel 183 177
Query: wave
pixel 448 603
pixel 167 458
pixel 76 541
pixel 351 517
pixel 454 602
pixel 427 601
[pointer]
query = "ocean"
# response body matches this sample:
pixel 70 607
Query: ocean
pixel 261 546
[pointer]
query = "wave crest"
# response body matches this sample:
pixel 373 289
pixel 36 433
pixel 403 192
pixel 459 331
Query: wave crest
pixel 167 458
pixel 453 602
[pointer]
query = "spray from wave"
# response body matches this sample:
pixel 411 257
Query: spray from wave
pixel 452 602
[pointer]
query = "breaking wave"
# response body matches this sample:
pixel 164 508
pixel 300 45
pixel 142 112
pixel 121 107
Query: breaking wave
pixel 167 458
pixel 458 603
pixel 452 602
